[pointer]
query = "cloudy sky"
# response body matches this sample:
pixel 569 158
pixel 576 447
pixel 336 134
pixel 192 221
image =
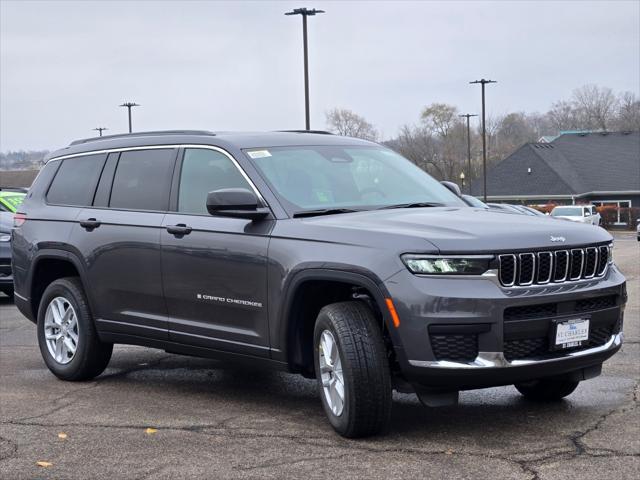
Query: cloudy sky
pixel 65 66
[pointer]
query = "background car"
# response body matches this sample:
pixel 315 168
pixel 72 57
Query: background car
pixel 577 213
pixel 6 277
pixel 473 201
pixel 11 198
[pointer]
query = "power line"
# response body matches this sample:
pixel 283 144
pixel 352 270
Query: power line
pixel 129 105
pixel 101 129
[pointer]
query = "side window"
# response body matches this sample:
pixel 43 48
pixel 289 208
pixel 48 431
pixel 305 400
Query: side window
pixel 142 180
pixel 76 179
pixel 203 171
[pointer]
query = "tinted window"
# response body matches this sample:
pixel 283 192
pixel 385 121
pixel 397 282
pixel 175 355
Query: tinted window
pixel 142 180
pixel 101 198
pixel 202 172
pixel 75 181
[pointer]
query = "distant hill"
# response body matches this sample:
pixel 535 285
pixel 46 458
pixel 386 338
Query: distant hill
pixel 22 160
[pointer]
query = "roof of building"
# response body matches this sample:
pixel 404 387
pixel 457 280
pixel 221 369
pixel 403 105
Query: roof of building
pixel 17 178
pixel 572 164
pixel 227 140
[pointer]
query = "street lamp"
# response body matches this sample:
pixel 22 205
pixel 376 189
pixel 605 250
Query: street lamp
pixel 462 181
pixel 305 12
pixel 468 116
pixel 101 129
pixel 129 105
pixel 483 82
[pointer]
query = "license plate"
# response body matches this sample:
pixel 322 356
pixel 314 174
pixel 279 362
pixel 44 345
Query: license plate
pixel 571 333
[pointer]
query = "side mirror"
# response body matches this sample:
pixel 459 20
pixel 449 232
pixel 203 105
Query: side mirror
pixel 453 187
pixel 235 202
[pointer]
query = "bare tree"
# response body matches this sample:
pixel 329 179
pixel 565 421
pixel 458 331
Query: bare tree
pixel 628 118
pixel 597 106
pixel 347 123
pixel 564 116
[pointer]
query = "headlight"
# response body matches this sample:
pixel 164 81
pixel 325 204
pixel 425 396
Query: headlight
pixel 443 265
pixel 5 237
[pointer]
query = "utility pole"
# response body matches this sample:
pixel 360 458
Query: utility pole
pixel 101 129
pixel 129 105
pixel 468 116
pixel 305 12
pixel 483 82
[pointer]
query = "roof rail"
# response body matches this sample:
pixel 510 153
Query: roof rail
pixel 320 132
pixel 143 134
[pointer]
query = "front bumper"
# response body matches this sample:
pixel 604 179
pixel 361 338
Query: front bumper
pixel 428 306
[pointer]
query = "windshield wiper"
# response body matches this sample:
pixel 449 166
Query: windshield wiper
pixel 412 205
pixel 324 211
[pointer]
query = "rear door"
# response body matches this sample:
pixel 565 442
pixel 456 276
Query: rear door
pixel 119 239
pixel 215 272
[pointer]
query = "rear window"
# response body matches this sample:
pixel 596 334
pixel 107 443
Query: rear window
pixel 567 212
pixel 75 180
pixel 142 180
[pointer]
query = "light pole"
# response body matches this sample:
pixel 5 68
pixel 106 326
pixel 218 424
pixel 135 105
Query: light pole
pixel 462 181
pixel 468 116
pixel 101 129
pixel 305 12
pixel 483 82
pixel 129 105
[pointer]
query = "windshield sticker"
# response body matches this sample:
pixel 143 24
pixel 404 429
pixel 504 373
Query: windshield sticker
pixel 259 154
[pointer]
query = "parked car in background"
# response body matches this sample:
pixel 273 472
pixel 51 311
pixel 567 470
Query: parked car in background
pixel 577 213
pixel 473 201
pixel 6 278
pixel 504 207
pixel 11 198
pixel 533 211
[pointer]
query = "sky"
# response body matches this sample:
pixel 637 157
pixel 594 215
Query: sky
pixel 65 66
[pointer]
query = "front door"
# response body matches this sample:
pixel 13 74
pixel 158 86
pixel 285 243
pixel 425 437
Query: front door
pixel 214 268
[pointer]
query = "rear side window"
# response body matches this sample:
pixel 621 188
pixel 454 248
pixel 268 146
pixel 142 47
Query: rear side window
pixel 203 171
pixel 76 179
pixel 142 180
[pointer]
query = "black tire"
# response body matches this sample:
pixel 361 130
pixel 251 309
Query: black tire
pixel 92 356
pixel 547 389
pixel 365 369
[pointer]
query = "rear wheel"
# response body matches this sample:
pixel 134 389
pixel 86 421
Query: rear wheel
pixel 352 369
pixel 547 389
pixel 67 336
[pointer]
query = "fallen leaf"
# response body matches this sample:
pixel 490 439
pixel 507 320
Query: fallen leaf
pixel 150 431
pixel 449 452
pixel 44 464
pixel 62 435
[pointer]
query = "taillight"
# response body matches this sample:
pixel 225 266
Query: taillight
pixel 19 219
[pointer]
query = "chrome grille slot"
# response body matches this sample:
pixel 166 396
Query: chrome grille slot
pixel 557 266
pixel 562 265
pixel 577 264
pixel 545 267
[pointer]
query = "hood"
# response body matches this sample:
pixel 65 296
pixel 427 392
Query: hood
pixel 455 229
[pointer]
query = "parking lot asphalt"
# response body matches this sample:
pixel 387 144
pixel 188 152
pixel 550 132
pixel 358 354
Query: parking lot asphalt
pixel 157 415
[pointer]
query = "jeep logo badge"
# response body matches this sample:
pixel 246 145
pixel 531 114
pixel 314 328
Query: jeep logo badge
pixel 558 239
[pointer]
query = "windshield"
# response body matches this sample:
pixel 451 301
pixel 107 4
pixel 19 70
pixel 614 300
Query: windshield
pixel 567 212
pixel 328 177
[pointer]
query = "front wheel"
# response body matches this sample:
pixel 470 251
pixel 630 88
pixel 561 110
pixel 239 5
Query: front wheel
pixel 547 389
pixel 352 369
pixel 67 336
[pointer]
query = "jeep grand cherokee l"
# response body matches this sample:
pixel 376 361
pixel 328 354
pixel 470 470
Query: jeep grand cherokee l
pixel 328 256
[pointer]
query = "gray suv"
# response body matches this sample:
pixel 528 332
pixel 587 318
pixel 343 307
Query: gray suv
pixel 327 256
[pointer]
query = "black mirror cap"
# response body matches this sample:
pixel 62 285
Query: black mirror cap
pixel 235 202
pixel 453 187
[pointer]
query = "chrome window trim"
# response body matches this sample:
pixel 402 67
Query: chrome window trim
pixel 551 270
pixel 174 145
pixel 581 250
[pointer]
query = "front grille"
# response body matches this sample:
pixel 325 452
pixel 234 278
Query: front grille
pixel 455 347
pixel 539 347
pixel 530 311
pixel 595 303
pixel 557 266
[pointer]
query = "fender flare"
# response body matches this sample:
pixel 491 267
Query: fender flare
pixel 340 273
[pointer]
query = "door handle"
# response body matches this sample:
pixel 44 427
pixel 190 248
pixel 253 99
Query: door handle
pixel 179 229
pixel 89 224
